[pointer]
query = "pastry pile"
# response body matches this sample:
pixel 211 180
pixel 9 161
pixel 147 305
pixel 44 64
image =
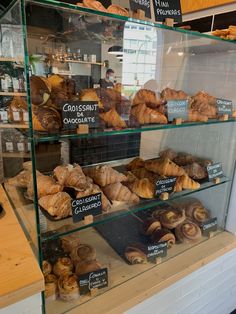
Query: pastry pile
pixel 229 33
pixel 180 222
pixel 96 5
pixel 61 277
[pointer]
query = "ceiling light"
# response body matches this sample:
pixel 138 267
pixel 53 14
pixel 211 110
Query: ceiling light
pixel 119 57
pixel 115 50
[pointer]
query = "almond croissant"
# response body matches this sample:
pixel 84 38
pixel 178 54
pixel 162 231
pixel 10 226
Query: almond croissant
pixel 45 186
pixel 57 205
pixel 104 175
pixel 143 188
pixel 119 192
pixel 164 167
pixel 112 119
pixel 71 176
pixel 145 115
pixel 186 183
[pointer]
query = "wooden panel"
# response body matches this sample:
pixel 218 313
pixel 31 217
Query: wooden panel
pixel 20 274
pixel 193 5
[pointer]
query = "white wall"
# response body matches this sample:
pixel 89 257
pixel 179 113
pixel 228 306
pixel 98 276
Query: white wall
pixel 31 305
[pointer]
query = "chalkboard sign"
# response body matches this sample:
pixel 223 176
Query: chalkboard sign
pixel 156 250
pixel 224 106
pixel 209 226
pixel 167 9
pixel 165 185
pixel 214 171
pixel 76 112
pixel 177 109
pixel 143 5
pixel 88 205
pixel 93 280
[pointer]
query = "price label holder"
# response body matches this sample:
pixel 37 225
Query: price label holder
pixel 141 9
pixel 164 187
pixel 155 252
pixel 167 9
pixel 215 172
pixel 85 208
pixel 177 111
pixel 224 109
pixel 80 115
pixel 92 281
pixel 209 227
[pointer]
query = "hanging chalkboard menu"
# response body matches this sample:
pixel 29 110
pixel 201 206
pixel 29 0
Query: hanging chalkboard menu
pixel 167 9
pixel 143 5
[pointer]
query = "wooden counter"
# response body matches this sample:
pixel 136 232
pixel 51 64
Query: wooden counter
pixel 20 274
pixel 189 6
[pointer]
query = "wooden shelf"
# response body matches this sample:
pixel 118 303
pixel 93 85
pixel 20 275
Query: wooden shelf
pixel 12 94
pixel 13 126
pixel 7 59
pixel 84 62
pixel 15 155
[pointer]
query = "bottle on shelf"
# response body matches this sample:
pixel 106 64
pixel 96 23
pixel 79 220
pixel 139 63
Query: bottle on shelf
pixel 79 57
pixel 21 81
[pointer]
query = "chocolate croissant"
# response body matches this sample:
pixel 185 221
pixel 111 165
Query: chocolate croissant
pixel 71 176
pixel 46 118
pixel 135 254
pixel 57 205
pixel 68 288
pixel 188 231
pixel 83 252
pixel 119 192
pixel 164 167
pixel 171 218
pixel 63 266
pixel 164 235
pixel 146 115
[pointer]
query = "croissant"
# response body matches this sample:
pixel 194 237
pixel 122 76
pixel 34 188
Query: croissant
pixel 146 115
pixel 63 266
pixel 136 254
pixel 142 173
pixel 195 116
pixel 135 163
pixel 90 95
pixel 83 252
pixel 169 94
pixel 70 176
pixel 130 177
pixel 164 167
pixel 57 205
pixel 195 171
pixel 188 231
pixel 68 287
pixel 21 180
pixel 104 175
pixel 186 183
pixel 204 104
pixel 96 5
pixel 112 119
pixel 116 9
pixel 94 189
pixel 119 192
pixel 143 188
pixel 147 97
pixel 45 186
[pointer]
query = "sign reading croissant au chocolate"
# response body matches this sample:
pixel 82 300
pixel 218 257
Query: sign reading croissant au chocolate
pixel 156 250
pixel 167 9
pixel 224 106
pixel 177 109
pixel 143 5
pixel 85 206
pixel 214 171
pixel 93 280
pixel 208 226
pixel 165 186
pixel 76 112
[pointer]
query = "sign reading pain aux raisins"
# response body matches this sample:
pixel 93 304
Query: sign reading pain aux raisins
pixel 76 112
pixel 143 5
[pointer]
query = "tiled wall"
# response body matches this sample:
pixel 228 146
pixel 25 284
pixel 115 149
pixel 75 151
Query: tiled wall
pixel 209 290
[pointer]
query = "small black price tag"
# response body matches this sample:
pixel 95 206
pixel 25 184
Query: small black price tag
pixel 88 205
pixel 209 226
pixel 165 185
pixel 156 250
pixel 143 5
pixel 224 106
pixel 76 112
pixel 215 171
pixel 167 9
pixel 177 109
pixel 93 280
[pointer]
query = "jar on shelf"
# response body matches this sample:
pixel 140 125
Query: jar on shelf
pixel 3 115
pixel 8 141
pixel 21 144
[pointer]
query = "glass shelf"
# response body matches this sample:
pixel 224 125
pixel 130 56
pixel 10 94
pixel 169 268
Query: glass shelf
pixel 55 229
pixel 45 137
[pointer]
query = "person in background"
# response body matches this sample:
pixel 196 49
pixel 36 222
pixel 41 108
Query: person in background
pixel 108 81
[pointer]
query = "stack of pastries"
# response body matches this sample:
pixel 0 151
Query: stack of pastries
pixel 61 277
pixel 180 222
pixel 98 6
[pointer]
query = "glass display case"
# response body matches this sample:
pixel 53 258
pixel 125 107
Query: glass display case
pixel 111 173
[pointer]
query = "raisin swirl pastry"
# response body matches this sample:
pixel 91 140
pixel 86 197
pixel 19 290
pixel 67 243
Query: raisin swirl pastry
pixel 150 226
pixel 47 268
pixel 68 287
pixel 188 231
pixel 171 218
pixel 83 252
pixel 50 287
pixel 63 266
pixel 164 235
pixel 136 254
pixel 197 212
